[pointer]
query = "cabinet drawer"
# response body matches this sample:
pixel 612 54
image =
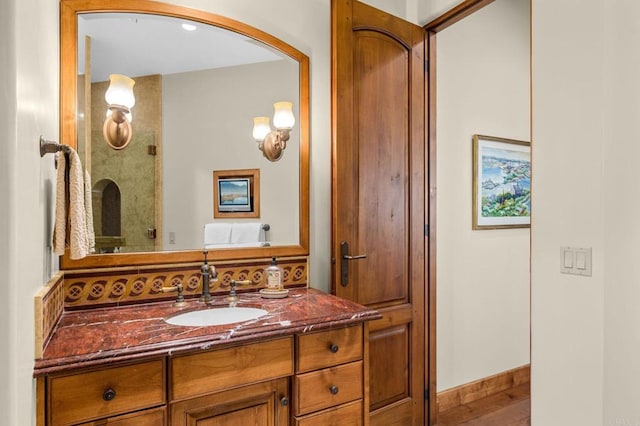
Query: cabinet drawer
pixel 343 415
pixel 325 388
pixel 206 372
pixel 103 393
pixel 327 348
pixel 153 417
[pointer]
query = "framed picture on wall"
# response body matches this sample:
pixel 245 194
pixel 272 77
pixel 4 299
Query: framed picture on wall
pixel 501 183
pixel 236 193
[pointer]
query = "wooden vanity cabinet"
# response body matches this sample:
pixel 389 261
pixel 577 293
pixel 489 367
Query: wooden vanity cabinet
pixel 310 379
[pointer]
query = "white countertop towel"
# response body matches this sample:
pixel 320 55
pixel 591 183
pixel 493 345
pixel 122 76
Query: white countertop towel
pixel 217 233
pixel 247 233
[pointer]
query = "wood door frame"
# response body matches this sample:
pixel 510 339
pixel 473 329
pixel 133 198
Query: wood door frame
pixel 459 12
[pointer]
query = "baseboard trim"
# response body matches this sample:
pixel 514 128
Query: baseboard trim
pixel 482 388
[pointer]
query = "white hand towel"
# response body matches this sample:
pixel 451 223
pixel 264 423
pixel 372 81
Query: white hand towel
pixel 217 233
pixel 247 233
pixel 78 237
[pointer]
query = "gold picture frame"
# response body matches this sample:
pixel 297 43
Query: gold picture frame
pixel 501 183
pixel 236 193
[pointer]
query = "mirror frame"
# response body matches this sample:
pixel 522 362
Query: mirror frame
pixel 69 9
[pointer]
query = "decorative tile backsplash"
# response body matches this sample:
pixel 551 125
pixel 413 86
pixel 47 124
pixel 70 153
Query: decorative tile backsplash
pixel 134 285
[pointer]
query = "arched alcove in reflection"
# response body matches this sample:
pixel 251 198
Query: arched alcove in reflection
pixel 107 216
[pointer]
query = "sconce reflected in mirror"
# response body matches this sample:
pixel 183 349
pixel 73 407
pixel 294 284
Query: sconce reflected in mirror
pixel 117 126
pixel 272 143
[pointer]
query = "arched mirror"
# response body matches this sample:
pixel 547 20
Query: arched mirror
pixel 198 81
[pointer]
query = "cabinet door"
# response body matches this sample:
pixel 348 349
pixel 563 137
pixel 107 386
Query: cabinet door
pixel 262 404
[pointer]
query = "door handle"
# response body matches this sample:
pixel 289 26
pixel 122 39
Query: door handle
pixel 360 256
pixel 345 257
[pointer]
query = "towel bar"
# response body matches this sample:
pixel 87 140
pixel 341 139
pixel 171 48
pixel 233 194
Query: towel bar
pixel 50 147
pixel 266 226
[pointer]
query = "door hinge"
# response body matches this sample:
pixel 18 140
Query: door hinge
pixel 426 65
pixel 151 150
pixel 426 230
pixel 426 394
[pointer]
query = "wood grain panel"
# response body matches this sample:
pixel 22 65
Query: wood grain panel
pixel 343 415
pixel 396 414
pixel 383 214
pixel 205 372
pixel 312 391
pixel 153 417
pixel 257 404
pixel 389 366
pixel 80 397
pixel 314 349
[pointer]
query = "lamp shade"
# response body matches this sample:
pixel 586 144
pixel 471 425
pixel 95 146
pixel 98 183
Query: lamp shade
pixel 120 91
pixel 283 117
pixel 261 128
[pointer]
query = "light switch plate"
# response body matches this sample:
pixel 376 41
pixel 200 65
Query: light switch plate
pixel 575 261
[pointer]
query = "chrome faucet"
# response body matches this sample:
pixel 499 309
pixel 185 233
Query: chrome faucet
pixel 209 274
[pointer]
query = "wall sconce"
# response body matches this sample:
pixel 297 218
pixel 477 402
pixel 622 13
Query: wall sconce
pixel 273 143
pixel 117 126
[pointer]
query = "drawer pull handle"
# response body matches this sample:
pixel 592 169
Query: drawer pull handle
pixel 334 348
pixel 284 401
pixel 109 394
pixel 334 389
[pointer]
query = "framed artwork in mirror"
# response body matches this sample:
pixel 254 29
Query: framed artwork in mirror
pixel 236 193
pixel 501 183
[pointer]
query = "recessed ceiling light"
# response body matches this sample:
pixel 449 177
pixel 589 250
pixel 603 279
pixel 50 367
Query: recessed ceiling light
pixel 188 27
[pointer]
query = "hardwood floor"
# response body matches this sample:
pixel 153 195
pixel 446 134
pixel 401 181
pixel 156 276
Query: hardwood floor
pixel 508 408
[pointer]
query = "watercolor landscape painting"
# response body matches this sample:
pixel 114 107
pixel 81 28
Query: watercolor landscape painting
pixel 501 183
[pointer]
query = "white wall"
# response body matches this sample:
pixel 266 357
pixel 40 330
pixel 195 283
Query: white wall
pixel 307 29
pixel 7 145
pixel 211 130
pixel 482 276
pixel 569 140
pixel 29 87
pixel 621 211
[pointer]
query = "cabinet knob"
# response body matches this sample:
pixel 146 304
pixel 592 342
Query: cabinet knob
pixel 284 401
pixel 109 394
pixel 334 389
pixel 334 348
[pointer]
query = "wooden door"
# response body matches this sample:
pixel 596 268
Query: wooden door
pixel 378 197
pixel 261 404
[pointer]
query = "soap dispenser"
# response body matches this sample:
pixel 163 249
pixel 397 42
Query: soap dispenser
pixel 274 276
pixel 274 287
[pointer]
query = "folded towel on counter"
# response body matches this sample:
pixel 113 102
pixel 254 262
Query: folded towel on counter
pixel 71 227
pixel 217 233
pixel 247 233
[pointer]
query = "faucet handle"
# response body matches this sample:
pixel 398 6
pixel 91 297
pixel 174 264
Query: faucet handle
pixel 179 298
pixel 232 292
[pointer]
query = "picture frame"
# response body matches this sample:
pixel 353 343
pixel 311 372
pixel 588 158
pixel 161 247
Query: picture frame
pixel 501 183
pixel 236 193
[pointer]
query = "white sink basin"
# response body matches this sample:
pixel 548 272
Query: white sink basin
pixel 216 316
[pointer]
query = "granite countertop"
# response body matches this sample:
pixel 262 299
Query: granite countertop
pixel 102 336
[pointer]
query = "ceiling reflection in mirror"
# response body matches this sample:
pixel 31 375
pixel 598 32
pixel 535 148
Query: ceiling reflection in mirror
pixel 197 88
